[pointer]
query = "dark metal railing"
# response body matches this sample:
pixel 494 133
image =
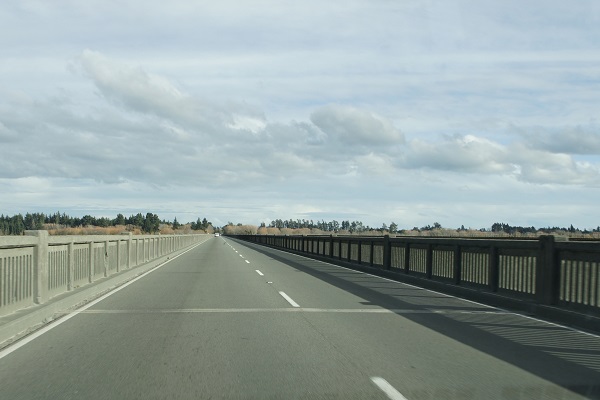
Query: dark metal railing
pixel 544 270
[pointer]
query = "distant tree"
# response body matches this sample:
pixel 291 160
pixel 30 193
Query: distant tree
pixel 119 220
pixel 136 220
pixel 176 224
pixel 102 222
pixel 29 222
pixel 151 223
pixel 393 227
pixel 88 220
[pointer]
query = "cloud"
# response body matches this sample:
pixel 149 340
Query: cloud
pixel 6 134
pixel 539 166
pixel 476 155
pixel 152 94
pixel 460 153
pixel 579 139
pixel 353 126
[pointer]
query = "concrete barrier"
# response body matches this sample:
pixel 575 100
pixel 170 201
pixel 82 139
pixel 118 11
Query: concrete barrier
pixel 37 267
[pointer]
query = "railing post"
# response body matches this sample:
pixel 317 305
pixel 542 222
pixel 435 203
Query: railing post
pixel 349 248
pixel 40 266
pixel 118 255
pixel 91 262
pixel 457 264
pixel 429 262
pixel 331 246
pixel 359 252
pixel 387 252
pixel 105 258
pixel 494 273
pixel 407 258
pixel 71 268
pixel 547 282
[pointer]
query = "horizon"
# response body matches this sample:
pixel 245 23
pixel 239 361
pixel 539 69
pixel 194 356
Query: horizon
pixel 315 222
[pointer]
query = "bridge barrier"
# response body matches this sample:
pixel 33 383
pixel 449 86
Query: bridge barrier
pixel 37 267
pixel 549 271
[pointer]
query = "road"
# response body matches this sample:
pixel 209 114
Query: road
pixel 229 319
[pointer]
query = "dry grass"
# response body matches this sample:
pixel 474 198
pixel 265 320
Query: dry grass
pixel 115 230
pixel 469 233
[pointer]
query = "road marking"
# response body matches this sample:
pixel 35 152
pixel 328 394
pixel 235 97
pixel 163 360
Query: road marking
pixel 22 342
pixel 260 273
pixel 386 388
pixel 247 261
pixel 289 299
pixel 241 256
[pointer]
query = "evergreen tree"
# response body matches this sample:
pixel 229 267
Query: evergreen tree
pixel 151 223
pixel 119 220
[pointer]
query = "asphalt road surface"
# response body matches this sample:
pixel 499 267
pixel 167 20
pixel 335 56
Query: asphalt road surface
pixel 231 320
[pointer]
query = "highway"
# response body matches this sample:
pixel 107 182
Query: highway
pixel 232 320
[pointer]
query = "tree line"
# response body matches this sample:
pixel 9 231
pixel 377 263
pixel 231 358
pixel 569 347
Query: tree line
pixel 150 223
pixel 331 226
pixel 357 227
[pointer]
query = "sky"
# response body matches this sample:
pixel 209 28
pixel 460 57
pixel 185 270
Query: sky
pixel 459 112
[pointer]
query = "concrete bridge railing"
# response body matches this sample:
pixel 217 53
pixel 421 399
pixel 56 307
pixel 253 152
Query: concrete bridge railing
pixel 36 267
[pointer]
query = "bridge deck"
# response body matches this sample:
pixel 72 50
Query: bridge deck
pixel 230 319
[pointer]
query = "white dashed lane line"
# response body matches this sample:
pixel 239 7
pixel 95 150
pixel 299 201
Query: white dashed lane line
pixel 388 389
pixel 289 299
pixel 260 273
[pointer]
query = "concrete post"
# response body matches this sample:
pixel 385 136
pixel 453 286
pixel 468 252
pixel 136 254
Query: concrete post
pixel 71 269
pixel 91 262
pixel 128 264
pixel 105 258
pixel 40 266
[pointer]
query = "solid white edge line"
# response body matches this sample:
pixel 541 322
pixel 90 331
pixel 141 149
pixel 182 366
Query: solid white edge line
pixel 289 299
pixel 260 273
pixel 386 388
pixel 443 294
pixel 22 342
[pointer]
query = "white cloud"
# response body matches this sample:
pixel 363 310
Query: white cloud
pixel 466 153
pixel 567 140
pixel 350 125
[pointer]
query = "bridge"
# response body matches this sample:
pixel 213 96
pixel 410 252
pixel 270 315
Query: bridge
pixel 294 317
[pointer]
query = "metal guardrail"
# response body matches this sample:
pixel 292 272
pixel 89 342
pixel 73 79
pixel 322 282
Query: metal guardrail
pixel 546 271
pixel 36 267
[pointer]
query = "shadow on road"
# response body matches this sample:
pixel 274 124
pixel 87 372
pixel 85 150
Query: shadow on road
pixel 568 358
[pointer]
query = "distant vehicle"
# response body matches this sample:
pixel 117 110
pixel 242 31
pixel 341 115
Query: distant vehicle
pixel 217 234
